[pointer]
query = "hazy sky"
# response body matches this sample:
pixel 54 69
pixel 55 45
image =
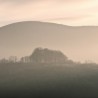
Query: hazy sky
pixel 69 12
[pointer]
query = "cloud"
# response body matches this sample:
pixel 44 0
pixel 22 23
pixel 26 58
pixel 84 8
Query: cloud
pixel 26 1
pixel 71 18
pixel 16 2
pixel 65 11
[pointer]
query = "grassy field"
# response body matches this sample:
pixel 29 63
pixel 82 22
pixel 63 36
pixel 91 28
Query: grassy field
pixel 48 81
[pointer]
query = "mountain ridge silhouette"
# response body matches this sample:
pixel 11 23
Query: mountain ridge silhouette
pixel 21 37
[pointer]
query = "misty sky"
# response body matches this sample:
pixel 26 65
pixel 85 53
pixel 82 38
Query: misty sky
pixel 68 12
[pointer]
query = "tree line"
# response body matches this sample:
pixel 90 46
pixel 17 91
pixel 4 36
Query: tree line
pixel 40 55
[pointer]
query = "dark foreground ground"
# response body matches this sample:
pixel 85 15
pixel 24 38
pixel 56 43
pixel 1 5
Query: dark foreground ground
pixel 48 81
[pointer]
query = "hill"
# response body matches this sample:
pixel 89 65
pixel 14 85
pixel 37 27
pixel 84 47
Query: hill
pixel 76 42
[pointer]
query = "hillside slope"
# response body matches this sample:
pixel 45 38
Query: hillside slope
pixel 78 43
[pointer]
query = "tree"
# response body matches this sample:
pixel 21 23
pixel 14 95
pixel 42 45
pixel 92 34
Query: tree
pixel 41 55
pixel 3 60
pixel 12 59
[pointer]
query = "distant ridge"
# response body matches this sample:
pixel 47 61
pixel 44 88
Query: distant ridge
pixel 21 22
pixel 21 37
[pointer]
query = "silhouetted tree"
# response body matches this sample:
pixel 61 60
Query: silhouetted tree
pixel 41 55
pixel 25 59
pixel 3 60
pixel 12 59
